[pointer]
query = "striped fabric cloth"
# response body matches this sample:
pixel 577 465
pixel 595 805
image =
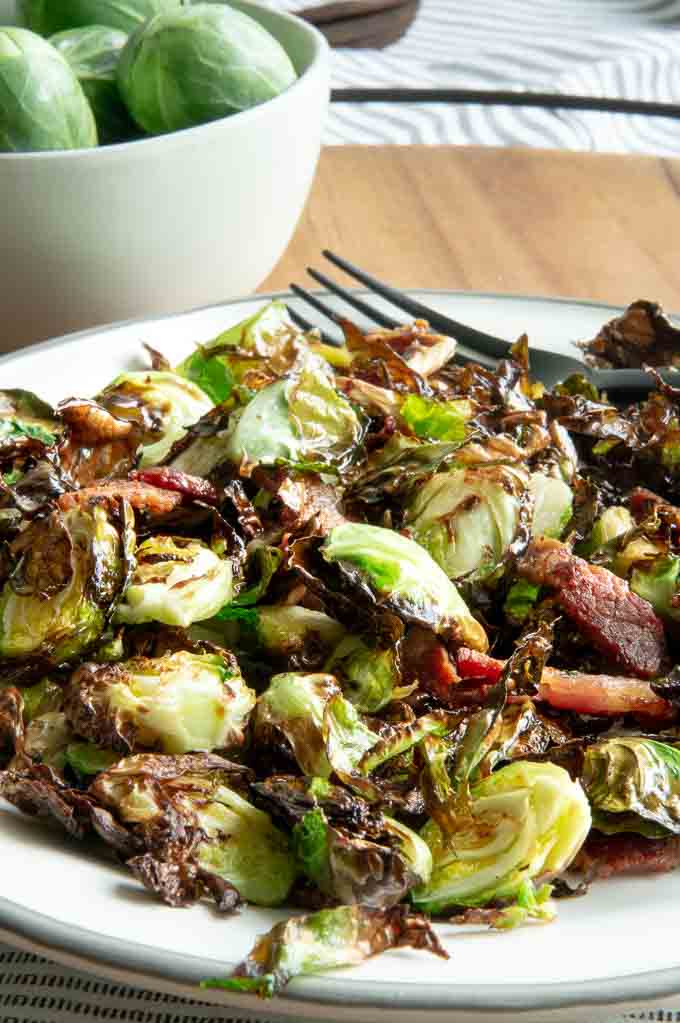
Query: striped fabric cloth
pixel 626 49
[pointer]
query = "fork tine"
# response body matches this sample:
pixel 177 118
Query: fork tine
pixel 363 307
pixel 485 343
pixel 316 303
pixel 305 325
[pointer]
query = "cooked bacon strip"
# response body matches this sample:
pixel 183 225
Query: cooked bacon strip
pixel 193 487
pixel 426 659
pixel 614 619
pixel 473 665
pixel 141 496
pixel 605 856
pixel 607 695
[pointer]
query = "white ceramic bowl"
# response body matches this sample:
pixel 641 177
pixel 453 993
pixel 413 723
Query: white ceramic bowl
pixel 163 224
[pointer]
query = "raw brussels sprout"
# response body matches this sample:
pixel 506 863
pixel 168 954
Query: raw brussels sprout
pixel 164 402
pixel 176 581
pixel 401 572
pixel 344 936
pixel 373 871
pixel 197 64
pixel 42 104
pixel 93 52
pixel 527 821
pixel 69 569
pixel 178 703
pixel 553 503
pixel 257 349
pixel 466 519
pixel 227 836
pixel 49 16
pixel 633 784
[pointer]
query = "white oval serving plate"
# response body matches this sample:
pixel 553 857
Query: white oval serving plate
pixel 615 948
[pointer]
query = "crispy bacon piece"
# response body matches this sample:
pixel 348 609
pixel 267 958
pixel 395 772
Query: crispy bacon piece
pixel 142 496
pixel 193 487
pixel 614 619
pixel 609 695
pixel 605 856
pixel 426 658
pixel 473 665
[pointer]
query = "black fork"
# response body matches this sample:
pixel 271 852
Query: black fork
pixel 551 368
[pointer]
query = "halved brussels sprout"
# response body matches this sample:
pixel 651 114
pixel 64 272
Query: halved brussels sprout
pixel 68 571
pixel 373 871
pixel 176 581
pixel 527 821
pixel 213 827
pixel 368 676
pixel 49 16
pixel 178 703
pixel 197 64
pixel 251 353
pixel 93 51
pixel 403 576
pixel 298 420
pixel 613 522
pixel 344 936
pixel 295 705
pixel 466 519
pixel 47 739
pixel 24 415
pixel 658 581
pixel 42 104
pixel 165 404
pixel 553 504
pixel 633 784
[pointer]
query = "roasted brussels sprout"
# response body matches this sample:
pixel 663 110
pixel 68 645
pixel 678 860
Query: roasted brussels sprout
pixel 69 569
pixel 197 64
pixel 320 941
pixel 369 677
pixel 42 104
pixel 553 504
pixel 228 837
pixel 176 581
pixel 178 703
pixel 633 784
pixel 528 820
pixel 466 519
pixel 250 354
pixel 49 16
pixel 164 403
pixel 26 419
pixel 93 52
pixel 373 871
pixel 299 420
pixel 403 576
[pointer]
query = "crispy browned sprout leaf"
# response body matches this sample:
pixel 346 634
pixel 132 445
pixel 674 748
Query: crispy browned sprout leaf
pixel 642 335
pixel 330 938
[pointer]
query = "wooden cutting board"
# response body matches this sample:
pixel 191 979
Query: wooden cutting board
pixel 509 220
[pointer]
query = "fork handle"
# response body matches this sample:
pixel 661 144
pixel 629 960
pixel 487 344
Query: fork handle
pixel 631 381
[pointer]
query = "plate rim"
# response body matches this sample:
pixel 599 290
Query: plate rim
pixel 147 964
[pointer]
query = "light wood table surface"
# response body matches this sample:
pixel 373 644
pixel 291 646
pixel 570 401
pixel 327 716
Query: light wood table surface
pixel 508 220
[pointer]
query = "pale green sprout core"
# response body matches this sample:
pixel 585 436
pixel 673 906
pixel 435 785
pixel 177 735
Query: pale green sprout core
pixel 177 582
pixel 527 821
pixel 183 702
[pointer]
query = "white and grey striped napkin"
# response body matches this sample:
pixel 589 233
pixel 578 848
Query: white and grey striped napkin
pixel 624 49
